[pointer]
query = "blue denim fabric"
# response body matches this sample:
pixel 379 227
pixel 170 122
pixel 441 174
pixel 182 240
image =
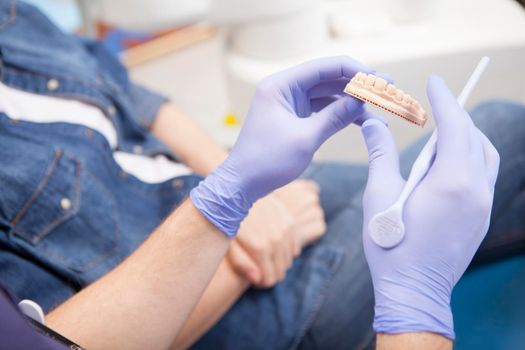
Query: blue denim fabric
pixel 34 52
pixel 48 251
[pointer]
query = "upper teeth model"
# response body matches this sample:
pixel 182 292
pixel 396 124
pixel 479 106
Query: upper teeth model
pixel 377 91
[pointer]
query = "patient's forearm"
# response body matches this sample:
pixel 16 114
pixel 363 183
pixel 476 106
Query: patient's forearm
pixel 413 341
pixel 188 140
pixel 224 290
pixel 145 301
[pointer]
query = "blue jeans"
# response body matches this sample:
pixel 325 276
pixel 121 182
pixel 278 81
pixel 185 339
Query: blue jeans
pixel 326 300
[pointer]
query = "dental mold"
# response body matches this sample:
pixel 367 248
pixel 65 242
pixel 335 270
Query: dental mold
pixel 378 92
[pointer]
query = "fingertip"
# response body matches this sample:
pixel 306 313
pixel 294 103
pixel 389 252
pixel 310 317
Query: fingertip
pixel 373 131
pixel 369 126
pixel 434 83
pixel 445 108
pixel 435 79
pixel 380 144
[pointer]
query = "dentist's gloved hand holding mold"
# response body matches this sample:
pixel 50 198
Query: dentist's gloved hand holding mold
pixel 445 218
pixel 279 137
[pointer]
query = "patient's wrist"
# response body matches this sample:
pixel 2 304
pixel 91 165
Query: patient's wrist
pixel 235 275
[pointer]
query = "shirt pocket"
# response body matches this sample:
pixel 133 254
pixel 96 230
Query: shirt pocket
pixel 70 218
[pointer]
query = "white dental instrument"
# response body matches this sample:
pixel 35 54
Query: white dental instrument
pixel 386 228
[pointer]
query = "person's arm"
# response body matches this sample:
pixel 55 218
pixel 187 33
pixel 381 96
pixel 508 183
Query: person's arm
pixel 445 220
pixel 188 140
pixel 413 341
pixel 259 230
pixel 143 302
pixel 222 292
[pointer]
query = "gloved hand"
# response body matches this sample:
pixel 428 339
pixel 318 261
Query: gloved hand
pixel 279 137
pixel 445 218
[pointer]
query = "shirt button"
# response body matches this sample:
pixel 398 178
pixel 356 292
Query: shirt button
pixel 112 111
pixel 65 203
pixel 137 149
pixel 177 183
pixel 89 132
pixel 52 84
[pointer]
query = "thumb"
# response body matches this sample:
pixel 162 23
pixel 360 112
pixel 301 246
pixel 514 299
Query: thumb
pixel 383 158
pixel 336 116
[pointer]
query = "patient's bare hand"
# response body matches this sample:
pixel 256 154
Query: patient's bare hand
pixel 275 231
pixel 264 248
pixel 301 198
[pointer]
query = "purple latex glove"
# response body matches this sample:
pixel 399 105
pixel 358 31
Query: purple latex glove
pixel 279 137
pixel 445 218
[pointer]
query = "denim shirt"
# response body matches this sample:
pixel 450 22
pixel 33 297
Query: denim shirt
pixel 68 213
pixel 37 57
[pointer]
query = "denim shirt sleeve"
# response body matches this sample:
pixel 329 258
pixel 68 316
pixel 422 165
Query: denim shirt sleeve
pixel 143 103
pixel 146 104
